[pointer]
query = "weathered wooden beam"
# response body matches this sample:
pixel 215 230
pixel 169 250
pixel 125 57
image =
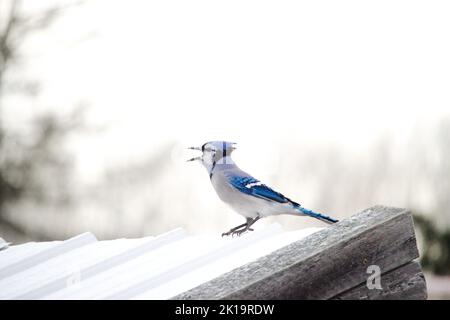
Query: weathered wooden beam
pixel 324 265
pixel 404 283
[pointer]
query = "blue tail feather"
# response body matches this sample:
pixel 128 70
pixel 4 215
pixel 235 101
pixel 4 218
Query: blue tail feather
pixel 316 215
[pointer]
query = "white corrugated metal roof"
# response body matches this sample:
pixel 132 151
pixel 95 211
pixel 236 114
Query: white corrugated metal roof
pixel 3 244
pixel 146 268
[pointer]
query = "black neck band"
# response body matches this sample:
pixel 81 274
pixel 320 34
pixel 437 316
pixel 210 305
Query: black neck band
pixel 212 168
pixel 224 149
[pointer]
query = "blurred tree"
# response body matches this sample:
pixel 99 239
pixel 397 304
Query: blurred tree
pixel 436 246
pixel 33 164
pixel 15 27
pixel 441 172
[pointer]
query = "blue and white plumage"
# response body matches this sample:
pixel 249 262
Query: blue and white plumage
pixel 243 193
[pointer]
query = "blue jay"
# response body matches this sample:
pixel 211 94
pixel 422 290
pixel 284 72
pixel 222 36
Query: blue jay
pixel 243 193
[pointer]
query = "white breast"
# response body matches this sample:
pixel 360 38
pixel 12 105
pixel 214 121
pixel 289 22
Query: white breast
pixel 244 204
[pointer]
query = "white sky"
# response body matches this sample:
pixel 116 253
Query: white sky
pixel 253 72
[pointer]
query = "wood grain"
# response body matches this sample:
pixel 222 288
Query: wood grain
pixel 325 264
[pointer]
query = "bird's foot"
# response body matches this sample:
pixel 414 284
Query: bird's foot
pixel 237 232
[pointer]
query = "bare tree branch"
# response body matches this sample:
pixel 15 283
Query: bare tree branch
pixel 6 49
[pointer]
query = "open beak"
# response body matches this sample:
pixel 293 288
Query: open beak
pixel 196 158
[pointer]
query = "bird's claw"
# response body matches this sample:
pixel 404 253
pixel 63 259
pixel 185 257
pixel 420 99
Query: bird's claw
pixel 236 232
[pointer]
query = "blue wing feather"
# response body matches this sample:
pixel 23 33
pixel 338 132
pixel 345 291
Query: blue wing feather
pixel 253 187
pixel 249 186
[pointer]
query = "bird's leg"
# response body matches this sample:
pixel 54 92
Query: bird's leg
pixel 232 230
pixel 250 222
pixel 253 221
pixel 242 228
